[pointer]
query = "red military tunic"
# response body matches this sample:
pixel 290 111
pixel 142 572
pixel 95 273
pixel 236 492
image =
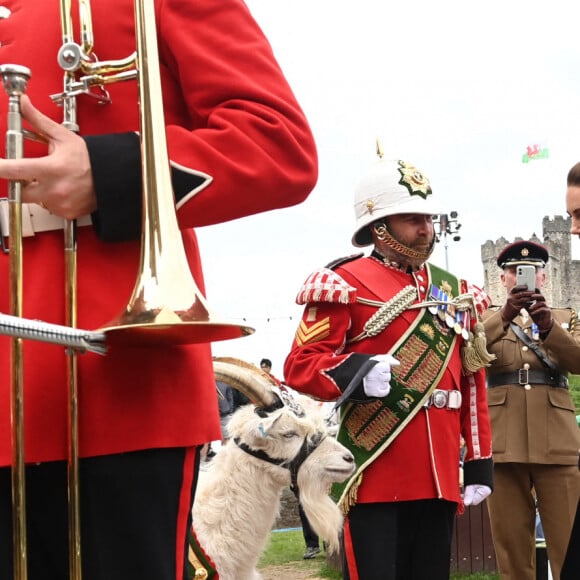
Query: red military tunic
pixel 423 461
pixel 232 121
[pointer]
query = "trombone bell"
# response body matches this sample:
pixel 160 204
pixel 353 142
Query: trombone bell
pixel 141 324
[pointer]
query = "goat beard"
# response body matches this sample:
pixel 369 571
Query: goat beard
pixel 322 512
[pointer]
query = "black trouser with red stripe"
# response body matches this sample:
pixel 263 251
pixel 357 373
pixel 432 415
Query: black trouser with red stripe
pixel 135 513
pixel 407 540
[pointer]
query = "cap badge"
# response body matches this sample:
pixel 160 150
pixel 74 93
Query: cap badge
pixel 414 180
pixel 525 252
pixel 370 206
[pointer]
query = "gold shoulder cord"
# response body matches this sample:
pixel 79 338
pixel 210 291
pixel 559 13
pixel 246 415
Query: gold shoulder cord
pixel 573 322
pixel 386 313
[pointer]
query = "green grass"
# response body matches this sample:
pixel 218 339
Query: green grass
pixel 288 547
pixel 283 547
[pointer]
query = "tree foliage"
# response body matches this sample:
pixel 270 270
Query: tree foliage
pixel 575 391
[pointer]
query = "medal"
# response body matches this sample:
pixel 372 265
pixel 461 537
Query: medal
pixel 451 314
pixel 457 328
pixel 433 295
pixel 442 311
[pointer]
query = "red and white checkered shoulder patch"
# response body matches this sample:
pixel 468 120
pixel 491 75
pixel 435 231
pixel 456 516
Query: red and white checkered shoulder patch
pixel 324 285
pixel 481 298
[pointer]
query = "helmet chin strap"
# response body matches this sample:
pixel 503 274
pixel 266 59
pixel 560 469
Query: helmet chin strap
pixel 401 252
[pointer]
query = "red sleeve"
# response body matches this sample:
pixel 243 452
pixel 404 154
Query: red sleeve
pixel 317 349
pixel 239 122
pixel 475 423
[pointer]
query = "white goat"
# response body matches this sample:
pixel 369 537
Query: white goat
pixel 238 497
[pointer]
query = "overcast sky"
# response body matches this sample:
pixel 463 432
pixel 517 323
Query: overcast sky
pixel 457 88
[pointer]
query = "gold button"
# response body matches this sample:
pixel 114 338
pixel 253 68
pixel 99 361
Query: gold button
pixel 524 348
pixel 526 366
pixel 527 387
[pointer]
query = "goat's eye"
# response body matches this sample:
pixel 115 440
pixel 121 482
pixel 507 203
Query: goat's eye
pixel 290 434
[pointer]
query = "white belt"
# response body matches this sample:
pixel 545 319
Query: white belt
pixel 35 219
pixel 444 399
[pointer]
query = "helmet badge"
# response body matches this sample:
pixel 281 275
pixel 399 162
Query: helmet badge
pixel 414 180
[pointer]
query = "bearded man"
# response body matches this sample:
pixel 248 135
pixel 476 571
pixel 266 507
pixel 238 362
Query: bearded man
pixel 398 341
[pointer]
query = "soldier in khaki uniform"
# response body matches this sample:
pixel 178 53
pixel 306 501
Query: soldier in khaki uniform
pixel 535 435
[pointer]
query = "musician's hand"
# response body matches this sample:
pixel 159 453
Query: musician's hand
pixel 541 313
pixel 518 298
pixel 377 382
pixel 62 180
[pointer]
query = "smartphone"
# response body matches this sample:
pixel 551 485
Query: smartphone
pixel 526 276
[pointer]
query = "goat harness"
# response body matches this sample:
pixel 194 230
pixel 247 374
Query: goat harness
pixel 293 465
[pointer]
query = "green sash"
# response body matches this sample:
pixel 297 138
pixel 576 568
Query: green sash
pixel 367 429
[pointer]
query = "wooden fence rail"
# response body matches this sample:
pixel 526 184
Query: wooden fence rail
pixel 472 546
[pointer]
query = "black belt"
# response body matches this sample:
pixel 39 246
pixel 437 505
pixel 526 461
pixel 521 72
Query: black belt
pixel 525 377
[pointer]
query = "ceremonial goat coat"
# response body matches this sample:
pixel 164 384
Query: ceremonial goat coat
pixel 238 144
pixel 423 461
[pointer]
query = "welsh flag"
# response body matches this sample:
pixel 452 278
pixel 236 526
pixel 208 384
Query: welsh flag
pixel 535 151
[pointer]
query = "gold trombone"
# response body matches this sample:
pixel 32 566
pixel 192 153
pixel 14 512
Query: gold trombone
pixel 166 306
pixel 15 79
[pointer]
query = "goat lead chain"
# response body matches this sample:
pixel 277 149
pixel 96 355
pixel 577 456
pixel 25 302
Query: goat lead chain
pixel 386 313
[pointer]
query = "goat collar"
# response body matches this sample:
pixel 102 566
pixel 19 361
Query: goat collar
pixel 259 454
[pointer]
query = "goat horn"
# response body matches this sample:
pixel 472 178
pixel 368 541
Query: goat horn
pixel 246 378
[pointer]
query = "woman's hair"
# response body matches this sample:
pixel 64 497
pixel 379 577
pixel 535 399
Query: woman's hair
pixel 574 175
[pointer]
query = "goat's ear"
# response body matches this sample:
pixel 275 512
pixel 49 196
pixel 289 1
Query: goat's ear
pixel 267 424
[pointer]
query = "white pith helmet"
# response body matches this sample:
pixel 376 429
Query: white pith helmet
pixel 390 187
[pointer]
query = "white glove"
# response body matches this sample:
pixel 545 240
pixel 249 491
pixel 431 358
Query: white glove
pixel 377 382
pixel 475 494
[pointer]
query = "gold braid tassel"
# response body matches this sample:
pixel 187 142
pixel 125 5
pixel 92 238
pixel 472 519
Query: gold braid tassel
pixel 350 496
pixel 474 354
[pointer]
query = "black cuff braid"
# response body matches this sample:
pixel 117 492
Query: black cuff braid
pixel 478 471
pixel 116 168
